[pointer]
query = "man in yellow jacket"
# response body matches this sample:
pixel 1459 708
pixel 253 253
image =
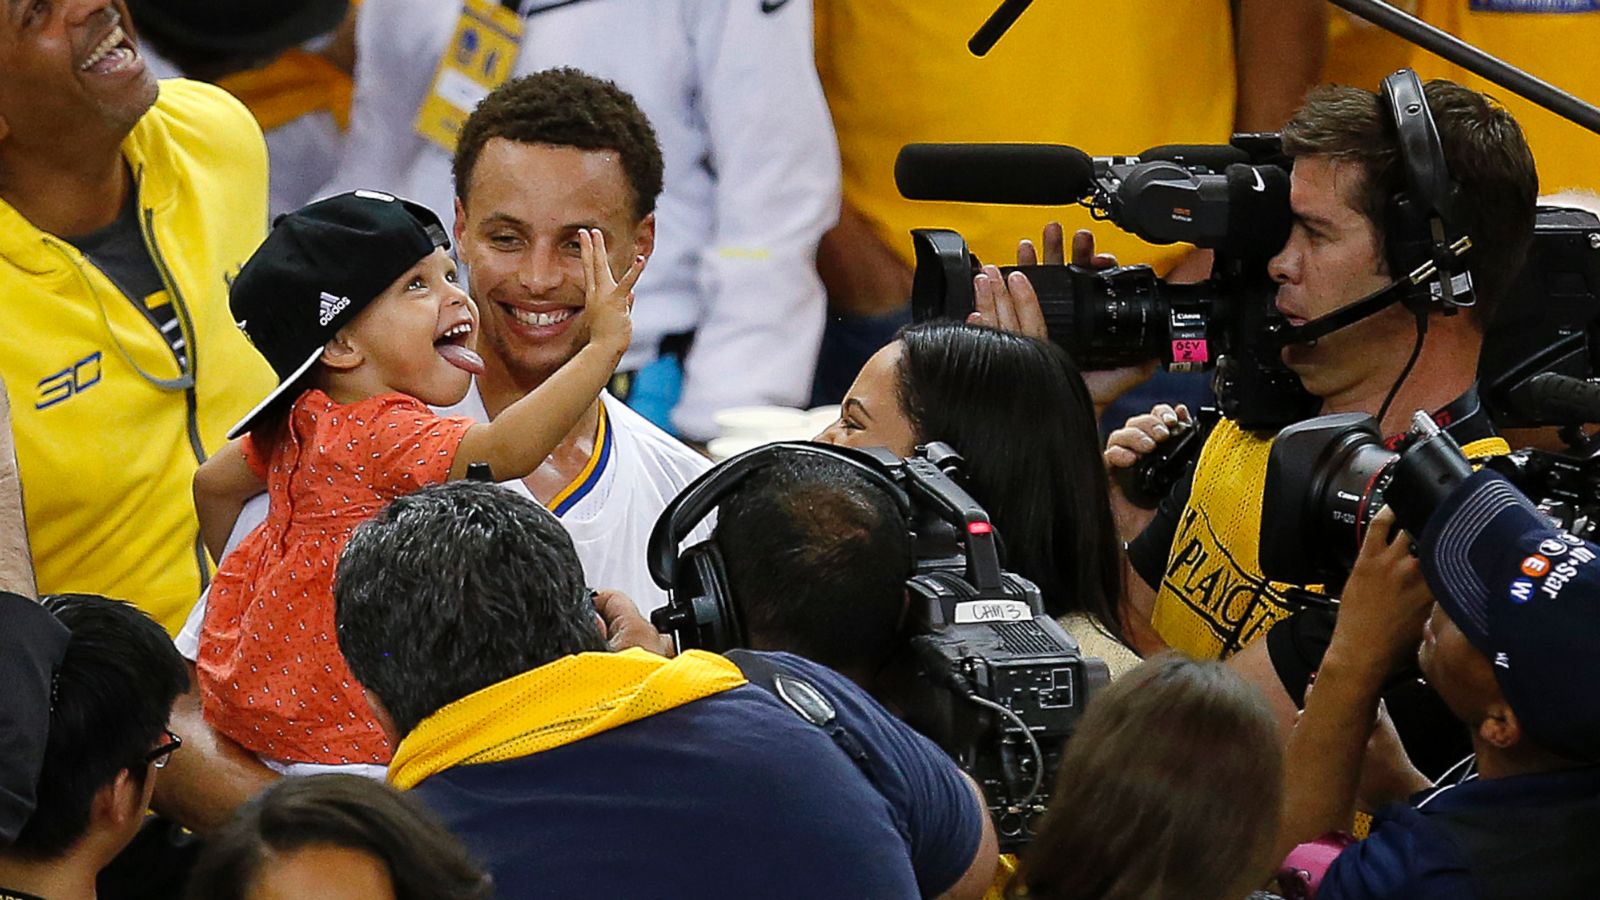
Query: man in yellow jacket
pixel 125 208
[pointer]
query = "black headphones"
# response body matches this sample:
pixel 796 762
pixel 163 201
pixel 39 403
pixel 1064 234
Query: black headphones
pixel 700 607
pixel 1423 239
pixel 957 548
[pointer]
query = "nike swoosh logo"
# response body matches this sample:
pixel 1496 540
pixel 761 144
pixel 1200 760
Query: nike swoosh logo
pixel 1260 185
pixel 771 6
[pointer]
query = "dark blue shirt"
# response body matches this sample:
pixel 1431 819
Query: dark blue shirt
pixel 733 795
pixel 1522 836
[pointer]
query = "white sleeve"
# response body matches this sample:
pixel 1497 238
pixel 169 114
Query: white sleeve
pixel 776 163
pixel 398 47
pixel 188 640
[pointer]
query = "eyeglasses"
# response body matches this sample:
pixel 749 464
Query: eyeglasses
pixel 162 753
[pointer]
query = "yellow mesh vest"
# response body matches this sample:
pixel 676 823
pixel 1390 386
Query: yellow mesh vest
pixel 1213 599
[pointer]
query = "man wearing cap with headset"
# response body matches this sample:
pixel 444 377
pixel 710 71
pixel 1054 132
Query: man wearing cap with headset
pixel 1512 655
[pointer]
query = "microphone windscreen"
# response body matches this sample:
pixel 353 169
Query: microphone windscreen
pixel 1258 211
pixel 1216 157
pixel 1030 174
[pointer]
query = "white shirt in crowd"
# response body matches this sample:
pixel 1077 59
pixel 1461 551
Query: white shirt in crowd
pixel 304 152
pixel 752 168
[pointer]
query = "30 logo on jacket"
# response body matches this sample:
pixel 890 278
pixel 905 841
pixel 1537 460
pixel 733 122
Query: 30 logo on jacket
pixel 69 382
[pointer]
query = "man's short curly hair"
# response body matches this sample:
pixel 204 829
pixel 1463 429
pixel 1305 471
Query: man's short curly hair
pixel 566 108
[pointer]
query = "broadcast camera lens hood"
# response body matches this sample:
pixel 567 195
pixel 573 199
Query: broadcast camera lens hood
pixel 1297 470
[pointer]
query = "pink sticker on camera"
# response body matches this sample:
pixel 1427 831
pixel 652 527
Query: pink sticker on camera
pixel 1190 351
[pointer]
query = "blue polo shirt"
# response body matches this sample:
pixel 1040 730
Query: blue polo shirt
pixel 1523 836
pixel 733 795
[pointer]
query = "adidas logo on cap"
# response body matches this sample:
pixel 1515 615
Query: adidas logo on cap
pixel 331 306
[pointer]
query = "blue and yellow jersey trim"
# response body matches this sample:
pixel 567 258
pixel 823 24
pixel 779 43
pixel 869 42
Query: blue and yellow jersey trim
pixel 593 470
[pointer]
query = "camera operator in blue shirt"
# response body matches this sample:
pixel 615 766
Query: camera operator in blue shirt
pixel 1509 646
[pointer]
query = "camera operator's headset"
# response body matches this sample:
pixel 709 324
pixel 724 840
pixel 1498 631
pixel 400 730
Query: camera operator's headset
pixel 700 608
pixel 1423 237
pixel 701 611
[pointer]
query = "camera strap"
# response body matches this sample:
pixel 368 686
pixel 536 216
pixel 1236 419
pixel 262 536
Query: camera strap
pixel 805 700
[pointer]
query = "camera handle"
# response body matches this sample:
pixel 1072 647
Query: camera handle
pixel 1147 482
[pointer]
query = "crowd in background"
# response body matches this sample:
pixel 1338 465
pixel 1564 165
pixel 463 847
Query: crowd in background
pixel 289 284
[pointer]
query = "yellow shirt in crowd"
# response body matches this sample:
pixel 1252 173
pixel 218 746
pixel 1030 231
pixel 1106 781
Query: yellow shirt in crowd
pixel 1558 47
pixel 1110 77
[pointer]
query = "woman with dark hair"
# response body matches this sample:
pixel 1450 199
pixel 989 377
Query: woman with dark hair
pixel 1171 787
pixel 1018 412
pixel 336 837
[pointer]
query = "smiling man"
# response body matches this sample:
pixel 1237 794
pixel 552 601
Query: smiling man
pixel 541 158
pixel 124 208
pixel 731 311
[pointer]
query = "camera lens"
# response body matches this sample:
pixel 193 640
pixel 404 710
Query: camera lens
pixel 1122 317
pixel 1347 492
pixel 1327 478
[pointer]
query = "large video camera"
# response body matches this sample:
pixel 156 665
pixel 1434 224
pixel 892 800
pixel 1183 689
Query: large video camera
pixel 1001 685
pixel 1013 681
pixel 1539 358
pixel 1327 477
pixel 1232 199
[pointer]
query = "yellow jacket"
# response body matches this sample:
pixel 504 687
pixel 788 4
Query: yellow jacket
pixel 107 452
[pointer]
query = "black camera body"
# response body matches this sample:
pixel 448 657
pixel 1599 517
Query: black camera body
pixel 1007 683
pixel 1548 324
pixel 1327 477
pixel 1125 316
pixel 999 684
pixel 1007 687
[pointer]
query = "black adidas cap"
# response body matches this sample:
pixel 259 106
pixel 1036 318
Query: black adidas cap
pixel 320 266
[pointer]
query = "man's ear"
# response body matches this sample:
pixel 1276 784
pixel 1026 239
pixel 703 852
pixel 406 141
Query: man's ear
pixel 1500 727
pixel 380 714
pixel 460 226
pixel 340 354
pixel 120 802
pixel 644 236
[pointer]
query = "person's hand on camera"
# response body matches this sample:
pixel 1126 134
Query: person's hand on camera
pixel 1385 601
pixel 1007 303
pixel 1142 434
pixel 624 626
pixel 1010 303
